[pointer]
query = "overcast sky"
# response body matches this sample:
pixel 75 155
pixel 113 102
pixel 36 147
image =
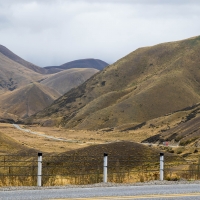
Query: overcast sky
pixel 53 32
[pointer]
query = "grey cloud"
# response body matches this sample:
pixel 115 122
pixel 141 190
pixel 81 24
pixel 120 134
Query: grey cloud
pixel 51 32
pixel 145 2
pixel 4 21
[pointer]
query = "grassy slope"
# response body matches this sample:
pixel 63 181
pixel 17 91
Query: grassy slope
pixel 21 61
pixel 185 130
pixel 28 100
pixel 147 83
pixel 14 75
pixel 21 95
pixel 17 94
pixel 10 146
pixel 117 149
pixel 68 79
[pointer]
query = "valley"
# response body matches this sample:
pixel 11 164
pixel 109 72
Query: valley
pixel 56 140
pixel 65 146
pixel 145 103
pixel 77 138
pixel 148 83
pixel 149 96
pixel 26 88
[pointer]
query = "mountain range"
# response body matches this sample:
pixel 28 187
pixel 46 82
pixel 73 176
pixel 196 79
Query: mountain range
pixel 26 88
pixel 9 54
pixel 154 90
pixel 148 83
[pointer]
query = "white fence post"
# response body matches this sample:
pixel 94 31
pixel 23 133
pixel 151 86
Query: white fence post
pixel 105 167
pixel 161 166
pixel 39 175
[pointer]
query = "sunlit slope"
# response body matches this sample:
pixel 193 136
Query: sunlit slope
pixel 27 100
pixel 147 83
pixel 68 79
pixel 10 146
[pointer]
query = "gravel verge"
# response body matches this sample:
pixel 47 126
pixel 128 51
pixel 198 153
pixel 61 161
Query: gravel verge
pixel 11 188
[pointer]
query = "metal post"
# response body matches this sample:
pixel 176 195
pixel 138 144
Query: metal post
pixel 39 175
pixel 105 167
pixel 161 166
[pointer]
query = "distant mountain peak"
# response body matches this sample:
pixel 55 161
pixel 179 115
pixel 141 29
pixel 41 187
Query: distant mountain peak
pixel 81 63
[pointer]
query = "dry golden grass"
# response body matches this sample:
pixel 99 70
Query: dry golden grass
pixel 84 144
pixel 79 138
pixel 38 143
pixel 181 127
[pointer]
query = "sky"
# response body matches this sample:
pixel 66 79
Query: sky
pixel 53 32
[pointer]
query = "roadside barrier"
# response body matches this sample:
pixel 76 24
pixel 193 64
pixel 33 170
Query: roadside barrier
pixel 26 170
pixel 39 174
pixel 105 166
pixel 161 166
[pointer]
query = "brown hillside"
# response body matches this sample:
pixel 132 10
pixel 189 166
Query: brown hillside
pixel 185 131
pixel 27 100
pixel 123 149
pixel 21 92
pixel 21 61
pixel 68 79
pixel 147 83
pixel 9 146
pixel 14 75
pixel 7 117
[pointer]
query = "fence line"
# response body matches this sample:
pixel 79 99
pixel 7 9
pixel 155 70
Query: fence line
pixel 59 170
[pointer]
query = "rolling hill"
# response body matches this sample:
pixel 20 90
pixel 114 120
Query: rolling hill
pixel 65 80
pixel 82 63
pixel 148 83
pixel 185 130
pixel 14 75
pixel 9 145
pixel 26 88
pixel 27 100
pixel 17 59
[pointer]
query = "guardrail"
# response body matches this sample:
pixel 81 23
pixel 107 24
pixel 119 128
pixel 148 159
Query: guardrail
pixel 61 170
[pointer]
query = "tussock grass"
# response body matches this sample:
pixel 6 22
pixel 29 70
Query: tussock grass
pixel 127 162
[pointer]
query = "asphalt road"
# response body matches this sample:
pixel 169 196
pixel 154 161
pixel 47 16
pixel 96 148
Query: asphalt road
pixel 180 191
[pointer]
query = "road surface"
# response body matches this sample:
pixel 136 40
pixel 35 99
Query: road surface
pixel 176 191
pixel 42 135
